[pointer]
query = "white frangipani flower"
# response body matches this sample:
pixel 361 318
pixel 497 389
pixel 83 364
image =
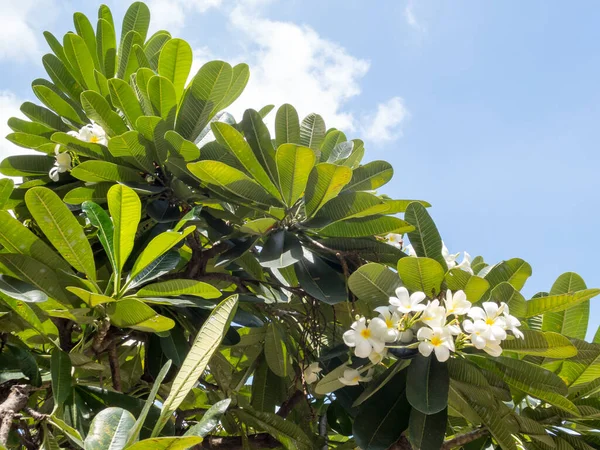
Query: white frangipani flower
pixel 394 239
pixel 93 133
pixel 376 358
pixel 465 264
pixel 406 303
pixel 491 315
pixel 436 340
pixel 410 250
pixel 478 332
pixel 364 338
pixel 62 164
pixel 512 323
pixel 406 336
pixel 492 349
pixel 391 320
pixel 434 315
pixel 352 377
pixel 456 304
pixel 311 373
pixel 449 257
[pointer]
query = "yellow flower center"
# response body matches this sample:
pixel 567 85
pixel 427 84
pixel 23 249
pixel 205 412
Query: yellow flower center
pixel 366 333
pixel 355 379
pixel 489 321
pixel 389 323
pixel 94 139
pixel 436 341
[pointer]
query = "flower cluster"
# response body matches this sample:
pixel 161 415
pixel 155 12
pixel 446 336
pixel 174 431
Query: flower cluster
pixel 439 328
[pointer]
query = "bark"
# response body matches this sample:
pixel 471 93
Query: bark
pixel 15 402
pixel 115 371
pixel 465 438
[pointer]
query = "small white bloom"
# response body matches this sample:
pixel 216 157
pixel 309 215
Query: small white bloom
pixel 364 338
pixel 405 303
pixel 456 304
pixel 93 133
pixel 62 164
pixel 410 250
pixel 465 264
pixel 376 358
pixel 434 315
pixel 491 315
pixel 492 349
pixel 150 179
pixel 512 323
pixel 394 239
pixel 478 332
pixel 352 377
pixel 435 340
pixel 311 373
pixel 391 319
pixel 406 336
pixel 450 258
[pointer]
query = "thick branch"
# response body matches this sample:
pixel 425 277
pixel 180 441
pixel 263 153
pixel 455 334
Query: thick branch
pixel 65 330
pixel 465 438
pixel 290 403
pixel 15 402
pixel 115 371
pixel 401 444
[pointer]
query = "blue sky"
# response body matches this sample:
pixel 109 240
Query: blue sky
pixel 488 110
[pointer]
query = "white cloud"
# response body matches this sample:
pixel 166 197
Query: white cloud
pixel 384 125
pixel 18 40
pixel 411 18
pixel 171 14
pixel 9 107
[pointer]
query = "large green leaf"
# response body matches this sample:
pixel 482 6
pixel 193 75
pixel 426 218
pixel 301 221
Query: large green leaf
pixel 505 292
pixel 370 176
pixel 106 47
pixel 174 288
pixel 276 352
pixel 163 98
pixel 25 312
pixel 167 443
pixel 202 98
pixel 294 164
pixel 174 64
pixel 60 371
pixel 287 126
pixel 57 103
pixel 287 432
pixel 348 205
pixel 43 115
pixel 108 430
pixel 239 80
pixel 232 180
pixel 332 139
pixel 26 165
pixel 473 286
pixel 154 46
pixel 6 188
pixel 421 274
pixel 125 208
pixel 548 344
pixel 572 322
pixel 128 61
pixel 281 249
pixel 95 192
pixel 234 141
pixel 123 97
pixel 80 59
pixel 375 225
pixel 427 383
pixel 61 76
pixel 97 108
pixel 514 271
pixel 259 138
pixel 369 248
pixel 137 18
pixel 325 182
pixel 98 171
pixel 374 283
pixel 425 239
pixel 210 419
pixel 84 29
pixel 135 314
pixel 134 149
pixel 20 290
pixel 186 149
pixel 206 343
pixel 583 368
pixel 83 148
pixel 426 432
pixel 558 302
pixel 312 131
pixel 382 419
pixel 61 228
pixel 319 280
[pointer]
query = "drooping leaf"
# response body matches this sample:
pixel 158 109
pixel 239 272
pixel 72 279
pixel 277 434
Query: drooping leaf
pixel 210 419
pixel 100 171
pixel 174 288
pixel 426 432
pixel 20 290
pixel 108 430
pixel 427 383
pixel 276 352
pixel 60 371
pixel 319 280
pixel 281 249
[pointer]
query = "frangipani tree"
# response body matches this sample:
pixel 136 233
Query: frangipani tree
pixel 174 277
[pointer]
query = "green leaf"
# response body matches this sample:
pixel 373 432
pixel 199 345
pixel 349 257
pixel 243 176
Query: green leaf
pixel 366 226
pixel 239 80
pixel 425 239
pixel 382 419
pixel 26 165
pixel 370 176
pixel 128 62
pixel 258 136
pixel 163 98
pixel 57 103
pixel 154 130
pixel 294 164
pixel 559 302
pixel 134 433
pixel 286 432
pixel 161 265
pixel 206 343
pixel 276 353
pixel 137 18
pixel 134 149
pixel 20 290
pixel 232 180
pixel 505 292
pixel 174 288
pixel 258 226
pixel 281 249
pixel 174 64
pixel 426 432
pixel 61 76
pixel 202 98
pixel 514 271
pixel 374 283
pixel 421 274
pixel 86 31
pixel 24 311
pixel 106 47
pixel 167 443
pixel 325 182
pixel 88 149
pixel 154 46
pixel 573 321
pixel 69 431
pixel 473 286
pixel 135 314
pixel 348 205
pixel 27 363
pixel 123 97
pixel 332 139
pixel 427 383
pixel 60 370
pixel 186 149
pixel 90 298
pixel 100 219
pixel 312 131
pixel 157 247
pixel 319 280
pixel 40 114
pixel 97 108
pixel 341 153
pixel 81 60
pixel 108 430
pixel 210 419
pixel 26 140
pixel 125 208
pixel 6 188
pixel 98 171
pixel 287 126
pixel 233 140
pixel 96 193
pixel 548 344
pixel 61 228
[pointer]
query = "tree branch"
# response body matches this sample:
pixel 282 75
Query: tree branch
pixel 15 402
pixel 287 406
pixel 257 441
pixel 465 438
pixel 115 371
